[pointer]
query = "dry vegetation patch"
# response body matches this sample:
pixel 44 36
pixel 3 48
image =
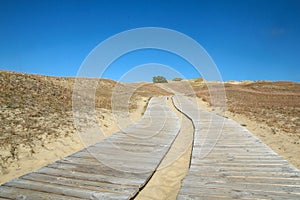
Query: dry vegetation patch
pixel 275 103
pixel 37 110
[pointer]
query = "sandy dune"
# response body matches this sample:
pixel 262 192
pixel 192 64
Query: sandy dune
pixel 37 121
pixel 32 136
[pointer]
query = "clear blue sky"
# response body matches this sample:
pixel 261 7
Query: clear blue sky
pixel 247 39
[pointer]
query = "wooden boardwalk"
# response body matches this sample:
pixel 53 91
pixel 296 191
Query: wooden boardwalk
pixel 116 168
pixel 229 162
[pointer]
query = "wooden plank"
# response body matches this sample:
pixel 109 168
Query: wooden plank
pixel 195 193
pixel 97 154
pixel 19 193
pixel 248 163
pixel 85 184
pixel 249 158
pixel 128 148
pixel 120 163
pixel 97 169
pixel 92 177
pixel 200 181
pixel 242 169
pixel 138 143
pixel 90 161
pixel 159 140
pixel 213 197
pixel 241 164
pixel 267 175
pixel 63 190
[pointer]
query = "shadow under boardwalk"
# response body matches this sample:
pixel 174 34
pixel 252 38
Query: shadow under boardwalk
pixel 115 168
pixel 229 162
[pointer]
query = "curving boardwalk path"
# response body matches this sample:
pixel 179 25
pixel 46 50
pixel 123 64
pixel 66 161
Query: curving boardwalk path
pixel 229 162
pixel 128 160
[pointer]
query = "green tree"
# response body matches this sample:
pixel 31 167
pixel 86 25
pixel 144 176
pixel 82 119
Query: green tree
pixel 159 79
pixel 177 79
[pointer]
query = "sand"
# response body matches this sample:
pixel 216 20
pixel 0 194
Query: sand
pixel 51 151
pixel 44 155
pixel 166 181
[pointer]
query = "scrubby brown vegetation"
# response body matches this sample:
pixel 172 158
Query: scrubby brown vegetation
pixel 37 109
pixel 275 103
pixel 32 108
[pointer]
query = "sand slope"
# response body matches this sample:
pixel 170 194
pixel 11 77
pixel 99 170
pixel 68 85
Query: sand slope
pixel 37 121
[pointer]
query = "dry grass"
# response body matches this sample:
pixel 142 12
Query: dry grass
pixel 32 109
pixel 36 110
pixel 275 103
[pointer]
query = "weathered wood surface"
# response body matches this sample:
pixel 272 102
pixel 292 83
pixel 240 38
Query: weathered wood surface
pixel 115 168
pixel 229 162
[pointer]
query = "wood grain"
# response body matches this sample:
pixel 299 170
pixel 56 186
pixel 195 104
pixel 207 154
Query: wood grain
pixel 229 162
pixel 115 168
